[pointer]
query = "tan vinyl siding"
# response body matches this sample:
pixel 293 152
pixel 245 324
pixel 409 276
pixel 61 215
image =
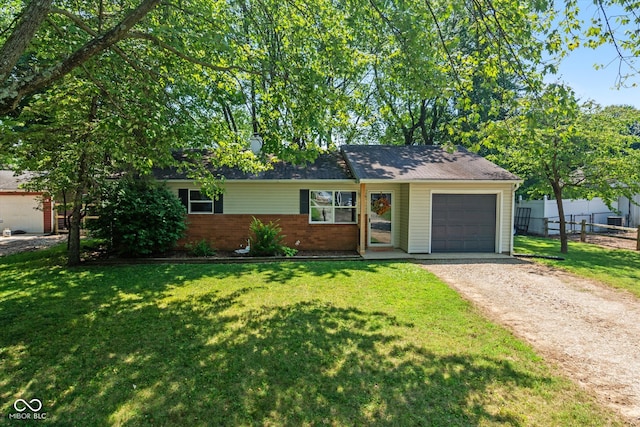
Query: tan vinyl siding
pixel 403 217
pixel 261 198
pixel 508 213
pixel 266 197
pixel 420 214
pixel 272 198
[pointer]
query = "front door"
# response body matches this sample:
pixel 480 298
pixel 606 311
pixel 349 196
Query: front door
pixel 380 232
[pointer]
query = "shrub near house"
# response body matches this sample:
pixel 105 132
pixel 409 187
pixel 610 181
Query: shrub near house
pixel 139 217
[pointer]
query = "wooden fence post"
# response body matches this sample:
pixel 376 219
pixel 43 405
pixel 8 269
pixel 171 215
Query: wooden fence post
pixel 638 238
pixel 583 231
pixel 546 227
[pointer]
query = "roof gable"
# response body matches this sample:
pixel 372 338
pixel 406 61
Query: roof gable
pixel 421 163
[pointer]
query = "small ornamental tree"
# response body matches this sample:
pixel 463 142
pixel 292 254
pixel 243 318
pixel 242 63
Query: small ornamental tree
pixel 568 149
pixel 139 217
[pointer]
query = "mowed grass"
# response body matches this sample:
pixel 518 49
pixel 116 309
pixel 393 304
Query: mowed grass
pixel 615 267
pixel 322 343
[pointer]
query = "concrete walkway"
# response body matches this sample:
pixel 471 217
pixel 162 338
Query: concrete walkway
pixel 398 254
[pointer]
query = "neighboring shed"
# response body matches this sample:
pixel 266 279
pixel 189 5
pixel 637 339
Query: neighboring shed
pixel 24 210
pixel 420 199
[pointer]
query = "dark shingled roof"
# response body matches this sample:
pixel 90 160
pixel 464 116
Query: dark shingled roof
pixel 370 162
pixel 328 166
pixel 9 181
pixel 421 163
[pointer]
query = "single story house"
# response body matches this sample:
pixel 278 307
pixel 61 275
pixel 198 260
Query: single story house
pixel 24 210
pixel 420 199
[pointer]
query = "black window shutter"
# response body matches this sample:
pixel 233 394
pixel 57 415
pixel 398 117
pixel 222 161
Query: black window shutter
pixel 218 205
pixel 354 202
pixel 183 195
pixel 304 201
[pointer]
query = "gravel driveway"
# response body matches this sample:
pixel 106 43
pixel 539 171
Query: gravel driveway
pixel 589 330
pixel 28 242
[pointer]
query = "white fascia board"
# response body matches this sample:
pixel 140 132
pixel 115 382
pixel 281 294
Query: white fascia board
pixel 293 181
pixel 274 181
pixel 440 181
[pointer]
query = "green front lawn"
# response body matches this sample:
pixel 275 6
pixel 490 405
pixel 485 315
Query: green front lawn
pixel 615 267
pixel 337 343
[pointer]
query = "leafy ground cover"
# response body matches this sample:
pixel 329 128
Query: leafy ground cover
pixel 338 343
pixel 616 267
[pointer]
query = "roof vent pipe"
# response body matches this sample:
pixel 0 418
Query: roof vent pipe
pixel 255 142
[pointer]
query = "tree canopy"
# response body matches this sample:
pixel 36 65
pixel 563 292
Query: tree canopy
pixel 92 88
pixel 301 73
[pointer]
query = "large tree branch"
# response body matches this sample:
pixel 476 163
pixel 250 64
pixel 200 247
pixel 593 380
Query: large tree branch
pixel 492 14
pixel 443 43
pixel 31 19
pixel 621 57
pixel 86 28
pixel 11 96
pixel 184 56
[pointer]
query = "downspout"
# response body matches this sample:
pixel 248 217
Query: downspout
pixel 363 220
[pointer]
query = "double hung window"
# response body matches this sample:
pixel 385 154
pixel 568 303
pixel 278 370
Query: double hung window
pixel 197 202
pixel 334 207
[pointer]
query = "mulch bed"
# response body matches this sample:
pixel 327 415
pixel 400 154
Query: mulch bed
pixel 100 256
pixel 620 240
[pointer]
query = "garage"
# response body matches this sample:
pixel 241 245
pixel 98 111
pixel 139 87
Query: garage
pixel 20 212
pixel 463 223
pixel 21 209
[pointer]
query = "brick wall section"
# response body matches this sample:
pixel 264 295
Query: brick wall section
pixel 227 232
pixel 46 212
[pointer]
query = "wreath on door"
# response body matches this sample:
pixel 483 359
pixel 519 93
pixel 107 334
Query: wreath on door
pixel 381 205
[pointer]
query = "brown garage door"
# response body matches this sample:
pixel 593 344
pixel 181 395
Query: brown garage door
pixel 464 223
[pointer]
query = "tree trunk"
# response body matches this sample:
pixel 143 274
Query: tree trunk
pixel 73 252
pixel 73 246
pixel 32 17
pixel 557 192
pixel 408 135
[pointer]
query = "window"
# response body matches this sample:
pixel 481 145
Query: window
pixel 198 203
pixel 336 207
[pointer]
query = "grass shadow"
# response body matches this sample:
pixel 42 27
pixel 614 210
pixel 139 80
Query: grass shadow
pixel 188 362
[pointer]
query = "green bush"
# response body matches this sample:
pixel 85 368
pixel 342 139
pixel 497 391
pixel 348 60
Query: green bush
pixel 267 240
pixel 200 249
pixel 138 218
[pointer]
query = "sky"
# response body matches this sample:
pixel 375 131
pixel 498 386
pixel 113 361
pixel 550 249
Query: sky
pixel 577 70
